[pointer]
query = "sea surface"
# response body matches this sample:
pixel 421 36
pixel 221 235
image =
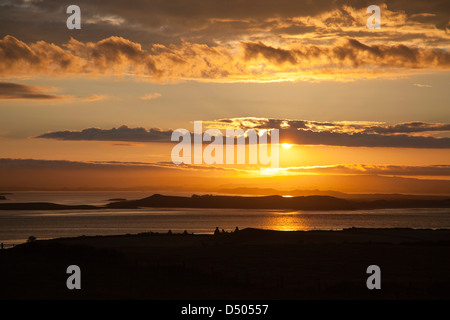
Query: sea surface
pixel 16 226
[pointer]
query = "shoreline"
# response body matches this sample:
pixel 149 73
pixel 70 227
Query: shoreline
pixel 14 243
pixel 372 235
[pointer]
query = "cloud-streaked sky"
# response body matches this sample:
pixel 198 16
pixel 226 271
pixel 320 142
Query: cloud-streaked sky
pixel 352 100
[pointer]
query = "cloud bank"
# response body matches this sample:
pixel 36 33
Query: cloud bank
pixel 302 132
pixel 340 169
pixel 251 61
pixel 214 22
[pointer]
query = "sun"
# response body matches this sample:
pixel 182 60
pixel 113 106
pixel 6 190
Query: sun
pixel 286 145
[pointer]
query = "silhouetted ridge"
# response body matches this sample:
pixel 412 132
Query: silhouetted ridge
pixel 237 202
pixel 275 202
pixel 44 206
pixel 240 202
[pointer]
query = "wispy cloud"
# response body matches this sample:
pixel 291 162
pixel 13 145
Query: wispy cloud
pixel 151 96
pixel 366 169
pixel 96 97
pixel 17 91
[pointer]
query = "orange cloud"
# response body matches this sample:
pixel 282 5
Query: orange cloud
pixel 255 61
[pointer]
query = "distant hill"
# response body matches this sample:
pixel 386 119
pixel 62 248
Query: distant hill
pixel 272 191
pixel 214 201
pixel 254 191
pixel 43 206
pixel 240 202
pixel 276 202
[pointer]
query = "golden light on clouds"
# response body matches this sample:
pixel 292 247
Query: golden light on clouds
pixel 346 59
pixel 115 90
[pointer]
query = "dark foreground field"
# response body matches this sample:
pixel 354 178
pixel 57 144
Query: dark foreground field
pixel 248 264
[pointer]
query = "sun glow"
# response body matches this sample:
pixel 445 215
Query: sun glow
pixel 286 145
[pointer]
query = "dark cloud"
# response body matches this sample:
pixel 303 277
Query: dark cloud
pixel 198 21
pixel 154 21
pixel 279 56
pixel 350 134
pixel 360 135
pixel 438 11
pixel 351 53
pixel 123 133
pixel 17 91
pixel 338 126
pixel 308 137
pixel 293 131
pixel 409 127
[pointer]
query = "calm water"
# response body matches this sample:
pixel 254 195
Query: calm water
pixel 17 226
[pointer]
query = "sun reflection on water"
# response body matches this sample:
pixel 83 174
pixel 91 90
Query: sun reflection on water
pixel 286 221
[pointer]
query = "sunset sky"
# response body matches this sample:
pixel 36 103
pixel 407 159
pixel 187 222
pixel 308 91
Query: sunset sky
pixel 365 110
